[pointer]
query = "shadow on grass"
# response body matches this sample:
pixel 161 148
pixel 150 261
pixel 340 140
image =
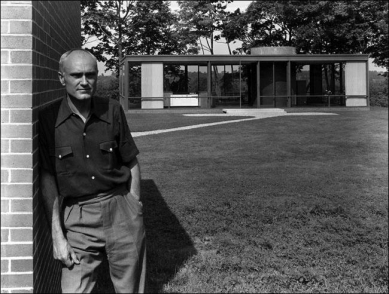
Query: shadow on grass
pixel 168 244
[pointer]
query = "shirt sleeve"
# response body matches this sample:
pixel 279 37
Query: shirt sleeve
pixel 127 147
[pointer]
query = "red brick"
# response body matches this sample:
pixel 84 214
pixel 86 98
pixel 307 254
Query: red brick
pixel 16 131
pixel 20 235
pixel 5 205
pixel 21 57
pixel 16 250
pixel 4 88
pixel 16 190
pixel 16 71
pixel 4 113
pixel 4 57
pixel 21 205
pixel 21 86
pixel 21 265
pixel 4 146
pixel 21 175
pixel 5 176
pixel 4 235
pixel 20 27
pixel 16 12
pixel 4 27
pixel 16 220
pixel 16 101
pixel 16 281
pixel 22 146
pixel 4 266
pixel 21 116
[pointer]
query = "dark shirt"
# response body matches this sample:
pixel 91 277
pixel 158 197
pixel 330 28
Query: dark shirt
pixel 88 158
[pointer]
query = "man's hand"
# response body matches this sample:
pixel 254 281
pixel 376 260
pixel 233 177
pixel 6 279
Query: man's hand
pixel 63 252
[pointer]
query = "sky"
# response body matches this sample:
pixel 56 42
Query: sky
pixel 221 48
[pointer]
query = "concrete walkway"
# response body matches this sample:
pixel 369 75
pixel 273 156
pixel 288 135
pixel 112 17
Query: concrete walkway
pixel 252 114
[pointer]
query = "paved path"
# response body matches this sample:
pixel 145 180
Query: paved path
pixel 251 115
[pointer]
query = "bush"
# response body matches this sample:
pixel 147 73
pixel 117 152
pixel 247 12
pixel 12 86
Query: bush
pixel 378 90
pixel 108 86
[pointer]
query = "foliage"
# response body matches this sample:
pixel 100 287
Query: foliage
pixel 378 89
pixel 202 20
pixel 327 27
pixel 108 87
pixel 130 27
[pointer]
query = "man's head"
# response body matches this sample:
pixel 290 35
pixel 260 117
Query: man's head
pixel 78 73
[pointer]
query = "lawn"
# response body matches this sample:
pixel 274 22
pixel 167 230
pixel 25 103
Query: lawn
pixel 283 204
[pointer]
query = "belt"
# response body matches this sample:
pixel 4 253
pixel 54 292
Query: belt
pixel 95 198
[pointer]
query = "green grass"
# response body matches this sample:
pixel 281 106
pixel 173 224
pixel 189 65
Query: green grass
pixel 141 122
pixel 283 204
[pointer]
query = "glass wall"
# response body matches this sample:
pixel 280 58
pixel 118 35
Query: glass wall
pixel 227 87
pixel 318 85
pixel 134 85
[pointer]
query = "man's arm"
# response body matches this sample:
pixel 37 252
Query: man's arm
pixel 134 184
pixel 61 248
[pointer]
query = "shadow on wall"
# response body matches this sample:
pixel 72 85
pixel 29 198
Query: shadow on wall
pixel 168 244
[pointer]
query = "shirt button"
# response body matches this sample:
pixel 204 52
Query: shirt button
pixel 110 149
pixel 87 156
pixel 84 134
pixel 93 177
pixel 59 156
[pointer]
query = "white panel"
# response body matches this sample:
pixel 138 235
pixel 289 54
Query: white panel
pixel 184 100
pixel 356 102
pixel 355 78
pixel 152 84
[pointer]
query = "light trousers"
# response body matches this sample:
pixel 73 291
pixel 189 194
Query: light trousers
pixel 113 226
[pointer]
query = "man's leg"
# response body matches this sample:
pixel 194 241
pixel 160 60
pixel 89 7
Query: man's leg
pixel 126 247
pixel 84 234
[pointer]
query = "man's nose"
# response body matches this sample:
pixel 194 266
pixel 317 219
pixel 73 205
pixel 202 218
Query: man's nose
pixel 84 80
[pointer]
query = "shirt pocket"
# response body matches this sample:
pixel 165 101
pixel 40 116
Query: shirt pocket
pixel 63 159
pixel 108 155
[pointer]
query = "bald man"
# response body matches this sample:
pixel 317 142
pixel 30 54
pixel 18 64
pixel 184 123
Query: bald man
pixel 88 158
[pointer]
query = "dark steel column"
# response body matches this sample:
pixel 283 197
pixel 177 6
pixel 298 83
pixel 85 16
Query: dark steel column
pixel 209 85
pixel 258 85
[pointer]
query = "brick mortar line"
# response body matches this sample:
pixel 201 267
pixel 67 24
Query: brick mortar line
pixel 16 273
pixel 10 289
pixel 17 183
pixel 17 228
pixel 18 258
pixel 16 213
pixel 17 35
pixel 17 243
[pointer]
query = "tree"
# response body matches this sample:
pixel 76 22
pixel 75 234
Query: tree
pixel 130 27
pixel 331 27
pixel 203 20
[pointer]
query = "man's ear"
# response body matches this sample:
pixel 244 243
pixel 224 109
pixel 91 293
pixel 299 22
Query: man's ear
pixel 61 78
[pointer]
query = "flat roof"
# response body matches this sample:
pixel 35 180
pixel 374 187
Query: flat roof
pixel 244 59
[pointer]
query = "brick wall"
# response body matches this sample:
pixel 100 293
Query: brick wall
pixel 34 34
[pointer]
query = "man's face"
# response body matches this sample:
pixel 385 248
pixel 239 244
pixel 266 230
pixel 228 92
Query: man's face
pixel 79 75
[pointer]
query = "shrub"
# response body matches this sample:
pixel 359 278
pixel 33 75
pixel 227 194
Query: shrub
pixel 108 86
pixel 378 90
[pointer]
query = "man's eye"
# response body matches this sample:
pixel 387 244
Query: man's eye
pixel 76 76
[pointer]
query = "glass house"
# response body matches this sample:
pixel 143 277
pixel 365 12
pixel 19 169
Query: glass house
pixel 269 77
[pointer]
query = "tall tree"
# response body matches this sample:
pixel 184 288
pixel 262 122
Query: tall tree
pixel 311 26
pixel 130 27
pixel 202 21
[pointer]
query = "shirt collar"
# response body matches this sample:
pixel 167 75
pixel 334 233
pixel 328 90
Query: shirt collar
pixel 99 108
pixel 64 112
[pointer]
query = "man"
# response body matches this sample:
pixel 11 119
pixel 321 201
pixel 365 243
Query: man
pixel 88 157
